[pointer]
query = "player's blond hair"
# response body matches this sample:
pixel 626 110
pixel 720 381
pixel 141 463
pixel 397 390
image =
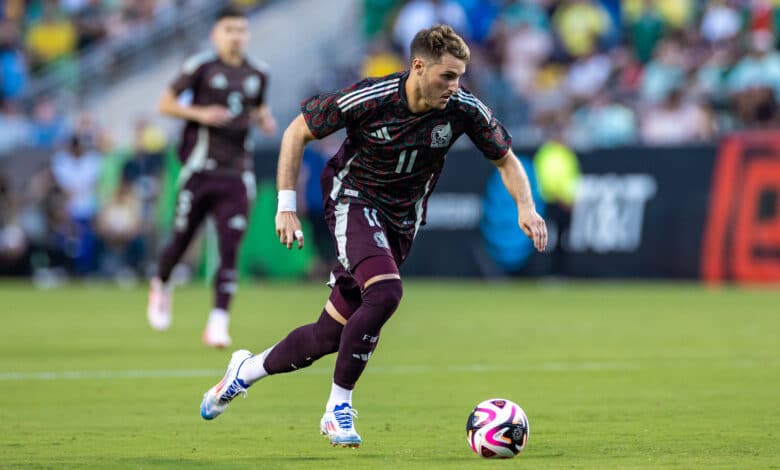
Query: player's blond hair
pixel 434 42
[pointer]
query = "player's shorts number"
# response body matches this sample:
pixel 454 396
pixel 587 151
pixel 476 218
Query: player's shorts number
pixel 371 217
pixel 402 159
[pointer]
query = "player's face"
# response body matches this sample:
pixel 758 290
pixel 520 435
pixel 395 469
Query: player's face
pixel 440 79
pixel 230 36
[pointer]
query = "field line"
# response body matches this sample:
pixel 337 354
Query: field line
pixel 422 369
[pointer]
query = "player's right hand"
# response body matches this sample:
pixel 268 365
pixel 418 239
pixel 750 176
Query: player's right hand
pixel 288 229
pixel 214 115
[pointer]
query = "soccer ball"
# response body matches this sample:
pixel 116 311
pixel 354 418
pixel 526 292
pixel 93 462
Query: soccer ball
pixel 497 428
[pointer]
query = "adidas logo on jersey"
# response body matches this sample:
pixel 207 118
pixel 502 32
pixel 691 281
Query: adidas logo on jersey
pixel 381 134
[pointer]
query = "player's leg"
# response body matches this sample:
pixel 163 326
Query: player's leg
pixel 231 211
pixel 298 350
pixel 191 209
pixel 381 294
pixel 364 249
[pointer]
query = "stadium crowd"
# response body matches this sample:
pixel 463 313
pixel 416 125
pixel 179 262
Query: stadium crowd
pixel 603 72
pixel 590 73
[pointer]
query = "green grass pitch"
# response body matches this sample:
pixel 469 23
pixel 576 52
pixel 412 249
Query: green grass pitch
pixel 611 376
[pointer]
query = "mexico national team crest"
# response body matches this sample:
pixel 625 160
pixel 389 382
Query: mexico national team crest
pixel 251 86
pixel 218 82
pixel 441 135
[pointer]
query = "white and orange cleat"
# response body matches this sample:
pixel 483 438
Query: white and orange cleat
pixel 218 397
pixel 338 425
pixel 159 310
pixel 216 334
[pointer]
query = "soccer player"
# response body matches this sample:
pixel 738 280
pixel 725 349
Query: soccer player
pixel 399 128
pixel 217 177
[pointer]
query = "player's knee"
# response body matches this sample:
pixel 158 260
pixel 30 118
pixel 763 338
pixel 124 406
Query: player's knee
pixel 327 334
pixel 386 294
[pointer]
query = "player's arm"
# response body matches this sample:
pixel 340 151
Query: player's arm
pixel 213 115
pixel 516 181
pixel 265 119
pixel 294 139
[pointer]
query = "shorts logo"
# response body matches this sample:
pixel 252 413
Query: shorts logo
pixel 251 86
pixel 441 136
pixel 218 82
pixel 362 357
pixel 381 240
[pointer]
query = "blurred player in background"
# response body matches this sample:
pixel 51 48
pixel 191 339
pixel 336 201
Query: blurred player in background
pixel 375 189
pixel 217 176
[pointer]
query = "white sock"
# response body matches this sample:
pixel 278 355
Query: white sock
pixel 219 318
pixel 253 369
pixel 338 395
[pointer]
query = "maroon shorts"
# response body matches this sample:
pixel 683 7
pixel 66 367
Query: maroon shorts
pixel 225 197
pixel 359 232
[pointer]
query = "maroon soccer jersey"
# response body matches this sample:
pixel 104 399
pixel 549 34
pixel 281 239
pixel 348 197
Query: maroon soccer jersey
pixel 241 89
pixel 392 157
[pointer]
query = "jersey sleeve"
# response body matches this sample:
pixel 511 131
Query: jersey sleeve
pixel 487 132
pixel 190 72
pixel 328 112
pixel 262 72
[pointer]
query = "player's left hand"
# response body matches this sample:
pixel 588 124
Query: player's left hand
pixel 534 227
pixel 268 126
pixel 288 229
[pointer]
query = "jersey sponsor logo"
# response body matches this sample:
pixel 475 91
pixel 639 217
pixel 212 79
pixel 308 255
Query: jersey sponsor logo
pixel 381 134
pixel 251 86
pixel 351 192
pixel 441 136
pixel 218 82
pixel 381 240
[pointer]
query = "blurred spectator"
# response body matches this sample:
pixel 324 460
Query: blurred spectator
pixel 676 121
pixel 603 122
pixel 580 25
pixel 523 46
pixel 15 130
pixel 381 60
pixel 142 170
pixel 13 244
pixel 377 16
pixel 665 72
pixel 588 75
pixel 720 21
pixel 52 37
pixel 418 14
pixel 646 30
pixel 120 225
pixel 13 65
pixel 49 127
pixel 91 21
pixel 76 170
pixel 759 68
pixel 676 13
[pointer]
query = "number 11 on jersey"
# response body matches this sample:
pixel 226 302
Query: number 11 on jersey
pixel 402 159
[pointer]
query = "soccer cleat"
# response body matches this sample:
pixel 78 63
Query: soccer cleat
pixel 158 311
pixel 218 397
pixel 338 426
pixel 216 335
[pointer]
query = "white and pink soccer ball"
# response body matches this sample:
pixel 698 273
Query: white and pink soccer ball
pixel 497 428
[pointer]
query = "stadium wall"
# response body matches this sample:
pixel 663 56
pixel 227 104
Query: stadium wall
pixel 691 212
